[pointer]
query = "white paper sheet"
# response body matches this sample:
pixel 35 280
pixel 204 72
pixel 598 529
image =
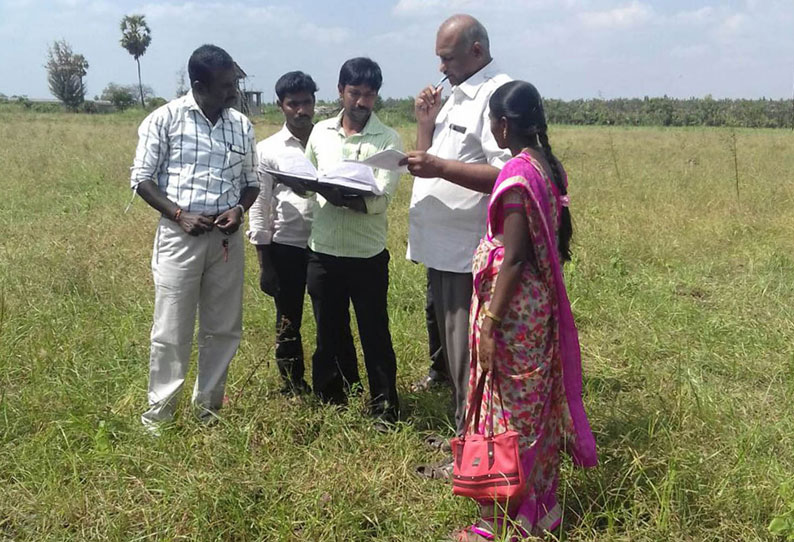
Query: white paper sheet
pixel 295 163
pixel 351 175
pixel 388 159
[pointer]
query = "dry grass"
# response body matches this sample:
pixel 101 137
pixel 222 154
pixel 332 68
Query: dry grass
pixel 682 294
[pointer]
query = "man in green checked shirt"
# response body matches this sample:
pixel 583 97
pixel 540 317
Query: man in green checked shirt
pixel 348 260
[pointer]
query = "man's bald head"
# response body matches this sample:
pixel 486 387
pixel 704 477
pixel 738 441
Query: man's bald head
pixel 463 47
pixel 468 30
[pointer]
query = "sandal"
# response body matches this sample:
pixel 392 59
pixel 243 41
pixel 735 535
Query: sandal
pixel 441 470
pixel 484 530
pixel 427 383
pixel 437 442
pixel 475 533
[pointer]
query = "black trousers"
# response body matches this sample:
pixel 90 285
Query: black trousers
pixel 333 283
pixel 438 359
pixel 290 265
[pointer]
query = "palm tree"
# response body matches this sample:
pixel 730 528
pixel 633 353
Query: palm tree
pixel 135 38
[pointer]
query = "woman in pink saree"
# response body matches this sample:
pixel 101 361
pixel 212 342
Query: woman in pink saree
pixel 521 324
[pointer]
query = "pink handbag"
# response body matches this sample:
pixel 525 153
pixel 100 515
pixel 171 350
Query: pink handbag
pixel 486 467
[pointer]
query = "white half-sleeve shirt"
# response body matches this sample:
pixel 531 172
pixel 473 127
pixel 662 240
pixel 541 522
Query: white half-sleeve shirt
pixel 447 221
pixel 278 215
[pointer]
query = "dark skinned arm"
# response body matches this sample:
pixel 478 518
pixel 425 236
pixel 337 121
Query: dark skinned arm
pixel 334 196
pixel 477 177
pixel 426 108
pixel 191 223
pixel 229 220
pixel 518 253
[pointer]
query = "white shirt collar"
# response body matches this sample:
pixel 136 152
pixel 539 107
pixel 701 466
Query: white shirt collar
pixel 373 125
pixel 472 85
pixel 191 104
pixel 286 135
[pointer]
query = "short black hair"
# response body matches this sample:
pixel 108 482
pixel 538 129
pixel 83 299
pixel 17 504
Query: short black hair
pixel 205 60
pixel 294 82
pixel 361 71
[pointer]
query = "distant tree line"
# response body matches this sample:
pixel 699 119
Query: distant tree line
pixel 664 111
pixel 125 96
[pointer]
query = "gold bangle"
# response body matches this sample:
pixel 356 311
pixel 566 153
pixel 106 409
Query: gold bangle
pixel 177 214
pixel 491 315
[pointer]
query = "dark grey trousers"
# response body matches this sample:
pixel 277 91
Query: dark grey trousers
pixel 451 298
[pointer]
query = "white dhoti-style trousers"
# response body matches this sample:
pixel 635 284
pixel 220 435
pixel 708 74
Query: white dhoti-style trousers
pixel 203 272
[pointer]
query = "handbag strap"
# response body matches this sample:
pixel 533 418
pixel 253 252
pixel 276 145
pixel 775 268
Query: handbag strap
pixel 476 402
pixel 496 387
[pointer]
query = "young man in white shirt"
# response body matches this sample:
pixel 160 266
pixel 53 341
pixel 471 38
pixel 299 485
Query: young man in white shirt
pixel 195 164
pixel 455 166
pixel 280 223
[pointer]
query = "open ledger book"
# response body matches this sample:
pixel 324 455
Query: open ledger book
pixel 351 177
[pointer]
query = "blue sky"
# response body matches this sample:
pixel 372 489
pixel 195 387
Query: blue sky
pixel 567 48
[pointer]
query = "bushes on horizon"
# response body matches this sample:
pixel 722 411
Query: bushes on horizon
pixel 121 96
pixel 647 111
pixel 155 101
pixel 666 111
pixel 125 96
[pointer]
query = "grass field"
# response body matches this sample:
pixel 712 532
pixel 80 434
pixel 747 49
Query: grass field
pixel 682 291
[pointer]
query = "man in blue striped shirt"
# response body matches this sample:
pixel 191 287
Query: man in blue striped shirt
pixel 195 164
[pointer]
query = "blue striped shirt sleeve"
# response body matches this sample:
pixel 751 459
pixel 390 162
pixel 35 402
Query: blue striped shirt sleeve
pixel 152 148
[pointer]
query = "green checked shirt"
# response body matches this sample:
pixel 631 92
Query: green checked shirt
pixel 339 231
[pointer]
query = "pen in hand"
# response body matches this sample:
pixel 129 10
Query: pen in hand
pixel 437 86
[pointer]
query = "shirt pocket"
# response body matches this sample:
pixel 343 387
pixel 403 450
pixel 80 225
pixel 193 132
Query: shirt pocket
pixel 463 131
pixel 453 134
pixel 233 164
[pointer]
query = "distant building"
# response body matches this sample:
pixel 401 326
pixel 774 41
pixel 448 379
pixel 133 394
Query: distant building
pixel 249 101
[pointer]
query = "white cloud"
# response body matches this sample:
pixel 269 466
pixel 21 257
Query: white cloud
pixel 679 48
pixel 630 15
pixel 421 7
pixel 448 7
pixel 689 51
pixel 702 15
pixel 246 20
pixel 213 12
pixel 733 23
pixel 325 35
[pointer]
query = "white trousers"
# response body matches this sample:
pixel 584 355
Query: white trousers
pixel 203 272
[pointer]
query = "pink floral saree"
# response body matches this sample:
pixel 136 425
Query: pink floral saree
pixel 538 357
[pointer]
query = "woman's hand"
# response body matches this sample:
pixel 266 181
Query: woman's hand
pixel 487 346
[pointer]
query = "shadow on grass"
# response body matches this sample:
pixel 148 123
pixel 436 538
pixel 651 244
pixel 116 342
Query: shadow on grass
pixel 429 411
pixel 638 481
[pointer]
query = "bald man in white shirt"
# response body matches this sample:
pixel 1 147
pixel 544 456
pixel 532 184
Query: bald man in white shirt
pixel 454 167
